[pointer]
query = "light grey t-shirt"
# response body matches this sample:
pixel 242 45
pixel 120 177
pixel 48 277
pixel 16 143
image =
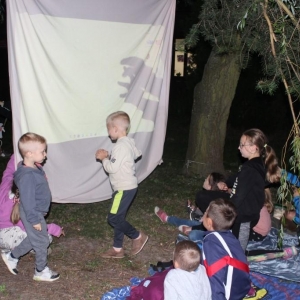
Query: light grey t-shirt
pixel 183 285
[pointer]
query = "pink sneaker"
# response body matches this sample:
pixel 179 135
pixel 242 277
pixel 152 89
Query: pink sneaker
pixel 161 214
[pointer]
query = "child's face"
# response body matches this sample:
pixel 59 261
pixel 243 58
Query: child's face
pixel 112 131
pixel 206 184
pixel 115 131
pixel 247 149
pixel 38 154
pixel 207 222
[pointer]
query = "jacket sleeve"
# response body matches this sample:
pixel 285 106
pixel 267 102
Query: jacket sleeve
pixel 170 287
pixel 244 185
pixel 7 181
pixel 137 153
pixel 113 164
pixel 297 208
pixel 218 279
pixel 291 178
pixel 26 187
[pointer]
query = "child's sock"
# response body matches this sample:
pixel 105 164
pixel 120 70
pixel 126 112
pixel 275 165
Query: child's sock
pixel 117 249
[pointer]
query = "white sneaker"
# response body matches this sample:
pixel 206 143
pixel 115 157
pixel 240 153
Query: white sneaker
pixel 10 262
pixel 45 275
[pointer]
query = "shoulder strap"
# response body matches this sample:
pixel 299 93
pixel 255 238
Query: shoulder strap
pixel 223 262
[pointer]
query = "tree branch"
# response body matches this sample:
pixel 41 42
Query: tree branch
pixel 288 12
pixel 272 35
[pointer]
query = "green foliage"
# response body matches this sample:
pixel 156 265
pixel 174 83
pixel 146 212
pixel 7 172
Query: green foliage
pixel 268 28
pixel 267 86
pixel 2 288
pixel 295 158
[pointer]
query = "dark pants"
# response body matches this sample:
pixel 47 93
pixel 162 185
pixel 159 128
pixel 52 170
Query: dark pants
pixel 36 240
pixel 121 201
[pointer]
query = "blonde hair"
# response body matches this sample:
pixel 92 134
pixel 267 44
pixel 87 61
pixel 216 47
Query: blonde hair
pixel 26 141
pixel 120 118
pixel 187 255
pixel 15 213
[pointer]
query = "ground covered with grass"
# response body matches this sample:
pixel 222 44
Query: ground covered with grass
pixel 84 274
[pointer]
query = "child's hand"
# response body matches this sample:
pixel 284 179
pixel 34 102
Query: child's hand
pixel 295 191
pixel 16 200
pixel 290 215
pixel 38 227
pixel 62 232
pixel 101 154
pixel 222 186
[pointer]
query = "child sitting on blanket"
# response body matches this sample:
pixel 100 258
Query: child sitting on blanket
pixel 188 279
pixel 214 187
pixel 223 257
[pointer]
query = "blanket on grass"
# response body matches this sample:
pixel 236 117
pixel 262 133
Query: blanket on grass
pixel 280 277
pixel 288 269
pixel 277 288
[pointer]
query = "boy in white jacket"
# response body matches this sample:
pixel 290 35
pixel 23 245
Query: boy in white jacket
pixel 120 166
pixel 188 279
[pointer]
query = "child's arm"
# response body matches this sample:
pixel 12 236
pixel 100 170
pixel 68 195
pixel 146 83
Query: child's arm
pixel 291 178
pixel 38 227
pixel 101 154
pixel 244 185
pixel 214 253
pixel 7 181
pixel 170 286
pixel 222 186
pixel 296 203
pixel 117 156
pixel 137 152
pixel 28 199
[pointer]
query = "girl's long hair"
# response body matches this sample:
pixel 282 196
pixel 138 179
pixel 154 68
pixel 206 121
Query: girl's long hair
pixel 268 200
pixel 15 213
pixel 214 179
pixel 258 138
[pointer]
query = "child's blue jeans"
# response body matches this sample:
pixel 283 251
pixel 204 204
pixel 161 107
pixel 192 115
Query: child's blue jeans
pixel 194 235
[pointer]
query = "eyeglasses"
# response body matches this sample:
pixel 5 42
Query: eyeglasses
pixel 243 145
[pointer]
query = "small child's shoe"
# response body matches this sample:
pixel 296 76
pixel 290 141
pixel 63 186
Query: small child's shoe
pixel 112 253
pixel 255 293
pixel 45 275
pixel 10 262
pixel 139 243
pixel 161 214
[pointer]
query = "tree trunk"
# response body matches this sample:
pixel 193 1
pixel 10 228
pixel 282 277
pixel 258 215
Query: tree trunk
pixel 212 100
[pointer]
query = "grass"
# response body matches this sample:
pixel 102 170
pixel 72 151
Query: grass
pixel 165 187
pixel 159 189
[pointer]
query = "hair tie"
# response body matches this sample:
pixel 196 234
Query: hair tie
pixel 265 145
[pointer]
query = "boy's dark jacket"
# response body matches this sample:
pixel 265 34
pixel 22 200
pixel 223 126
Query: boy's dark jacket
pixel 214 251
pixel 35 195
